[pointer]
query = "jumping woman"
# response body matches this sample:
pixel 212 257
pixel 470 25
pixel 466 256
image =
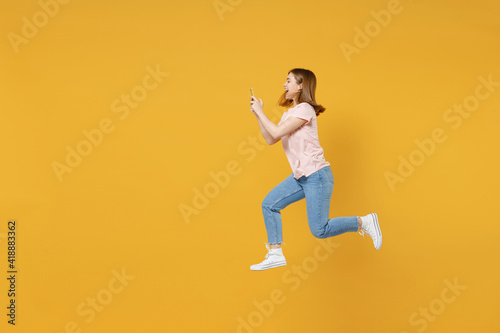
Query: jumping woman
pixel 311 177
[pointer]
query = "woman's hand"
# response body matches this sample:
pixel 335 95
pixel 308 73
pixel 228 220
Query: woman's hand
pixel 256 105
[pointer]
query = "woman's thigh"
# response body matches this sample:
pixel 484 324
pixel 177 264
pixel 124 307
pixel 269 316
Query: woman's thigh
pixel 318 188
pixel 284 194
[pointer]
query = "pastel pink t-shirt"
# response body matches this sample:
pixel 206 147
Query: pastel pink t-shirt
pixel 301 146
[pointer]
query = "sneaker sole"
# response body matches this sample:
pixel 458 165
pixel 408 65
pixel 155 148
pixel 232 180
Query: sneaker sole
pixel 377 228
pixel 263 268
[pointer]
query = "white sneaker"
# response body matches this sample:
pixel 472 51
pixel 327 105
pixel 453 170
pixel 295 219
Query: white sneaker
pixel 369 224
pixel 274 258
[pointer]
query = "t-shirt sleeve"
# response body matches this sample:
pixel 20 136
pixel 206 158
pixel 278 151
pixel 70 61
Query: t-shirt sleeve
pixel 303 111
pixel 283 118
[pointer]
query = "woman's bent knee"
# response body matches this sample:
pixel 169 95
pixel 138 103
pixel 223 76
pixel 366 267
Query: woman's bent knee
pixel 266 205
pixel 319 234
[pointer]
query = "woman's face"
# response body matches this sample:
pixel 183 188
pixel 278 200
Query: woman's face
pixel 291 87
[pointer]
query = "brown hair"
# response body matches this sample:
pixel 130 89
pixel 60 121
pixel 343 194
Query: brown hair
pixel 307 94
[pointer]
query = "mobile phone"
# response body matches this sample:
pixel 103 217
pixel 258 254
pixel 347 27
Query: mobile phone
pixel 251 91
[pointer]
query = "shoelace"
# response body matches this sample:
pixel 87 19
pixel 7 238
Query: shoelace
pixel 362 230
pixel 268 250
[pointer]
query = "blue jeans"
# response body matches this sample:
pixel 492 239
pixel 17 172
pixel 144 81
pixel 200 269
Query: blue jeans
pixel 317 189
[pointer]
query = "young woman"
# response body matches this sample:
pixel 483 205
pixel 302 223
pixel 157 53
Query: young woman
pixel 311 178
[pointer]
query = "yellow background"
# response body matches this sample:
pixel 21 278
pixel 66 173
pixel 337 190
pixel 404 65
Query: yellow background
pixel 120 208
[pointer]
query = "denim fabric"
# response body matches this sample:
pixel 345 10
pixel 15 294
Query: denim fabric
pixel 317 189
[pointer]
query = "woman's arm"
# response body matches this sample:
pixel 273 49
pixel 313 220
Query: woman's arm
pixel 275 131
pixel 269 139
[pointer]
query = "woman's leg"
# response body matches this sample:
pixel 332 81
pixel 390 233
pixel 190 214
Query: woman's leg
pixel 284 194
pixel 318 189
